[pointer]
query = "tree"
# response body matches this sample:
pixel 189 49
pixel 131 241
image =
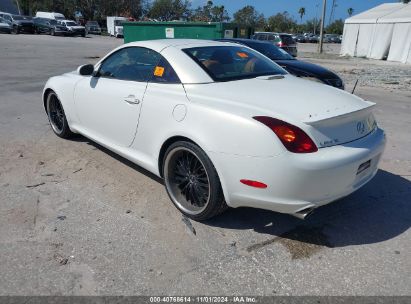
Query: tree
pixel 249 16
pixel 282 22
pixel 405 1
pixel 337 27
pixel 350 11
pixel 301 12
pixel 168 10
pixel 210 13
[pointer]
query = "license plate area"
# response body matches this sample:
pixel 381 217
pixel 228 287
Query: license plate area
pixel 364 166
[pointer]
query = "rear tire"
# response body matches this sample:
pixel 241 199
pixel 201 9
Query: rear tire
pixel 192 182
pixel 57 117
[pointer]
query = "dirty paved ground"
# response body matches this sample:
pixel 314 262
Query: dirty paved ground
pixel 76 219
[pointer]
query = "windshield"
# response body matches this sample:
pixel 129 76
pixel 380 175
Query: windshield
pixel 287 39
pixel 225 63
pixel 271 51
pixel 17 17
pixel 71 23
pixel 118 22
pixel 52 22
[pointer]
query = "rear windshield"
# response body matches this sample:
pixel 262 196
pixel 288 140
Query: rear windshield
pixel 270 50
pixel 225 63
pixel 287 39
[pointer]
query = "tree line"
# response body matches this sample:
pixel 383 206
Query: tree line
pixel 169 10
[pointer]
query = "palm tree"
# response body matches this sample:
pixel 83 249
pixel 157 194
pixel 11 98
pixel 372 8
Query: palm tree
pixel 350 11
pixel 301 12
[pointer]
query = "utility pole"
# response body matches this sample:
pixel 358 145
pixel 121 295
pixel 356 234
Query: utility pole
pixel 18 6
pixel 320 43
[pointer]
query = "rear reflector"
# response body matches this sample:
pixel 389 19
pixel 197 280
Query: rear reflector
pixel 254 184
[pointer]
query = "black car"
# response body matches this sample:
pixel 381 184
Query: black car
pixel 48 26
pixel 283 41
pixel 19 24
pixel 92 27
pixel 293 66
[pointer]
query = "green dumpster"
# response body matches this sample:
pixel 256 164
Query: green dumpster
pixel 137 31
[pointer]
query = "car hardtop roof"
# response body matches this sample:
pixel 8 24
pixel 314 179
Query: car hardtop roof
pixel 160 44
pixel 243 40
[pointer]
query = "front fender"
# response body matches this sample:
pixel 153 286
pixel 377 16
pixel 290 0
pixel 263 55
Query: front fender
pixel 64 86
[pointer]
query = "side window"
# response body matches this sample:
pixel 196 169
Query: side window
pixel 271 37
pixel 132 63
pixel 164 73
pixel 262 37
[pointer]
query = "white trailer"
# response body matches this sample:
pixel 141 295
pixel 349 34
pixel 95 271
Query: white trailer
pixel 114 26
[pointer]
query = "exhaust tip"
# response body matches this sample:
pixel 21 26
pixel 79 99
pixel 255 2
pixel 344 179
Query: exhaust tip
pixel 303 214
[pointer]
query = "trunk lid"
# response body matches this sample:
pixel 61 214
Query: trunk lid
pixel 328 115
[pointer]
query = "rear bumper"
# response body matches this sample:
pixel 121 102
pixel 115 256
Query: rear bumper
pixel 299 181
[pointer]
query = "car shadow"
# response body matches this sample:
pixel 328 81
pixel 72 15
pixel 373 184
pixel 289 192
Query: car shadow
pixel 80 138
pixel 377 212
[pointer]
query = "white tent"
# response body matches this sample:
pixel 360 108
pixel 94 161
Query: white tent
pixel 378 32
pixel 400 49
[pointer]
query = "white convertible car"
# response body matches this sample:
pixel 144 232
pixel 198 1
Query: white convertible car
pixel 221 124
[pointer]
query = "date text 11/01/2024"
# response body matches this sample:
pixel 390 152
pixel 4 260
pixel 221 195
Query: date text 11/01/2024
pixel 202 299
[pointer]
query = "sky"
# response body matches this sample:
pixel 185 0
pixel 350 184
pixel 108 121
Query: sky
pixel 312 7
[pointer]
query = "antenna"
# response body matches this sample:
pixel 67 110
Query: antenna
pixel 355 86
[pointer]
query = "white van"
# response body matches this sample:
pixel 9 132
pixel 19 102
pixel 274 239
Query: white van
pixel 52 15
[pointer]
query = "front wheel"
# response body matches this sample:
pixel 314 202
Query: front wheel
pixel 52 32
pixel 57 117
pixel 192 182
pixel 15 30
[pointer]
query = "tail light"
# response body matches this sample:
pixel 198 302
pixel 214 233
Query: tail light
pixel 281 44
pixel 293 138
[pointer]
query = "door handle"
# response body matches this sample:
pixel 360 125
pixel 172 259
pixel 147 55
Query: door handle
pixel 131 99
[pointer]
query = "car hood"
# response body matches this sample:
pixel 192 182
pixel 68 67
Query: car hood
pixel 288 98
pixel 302 68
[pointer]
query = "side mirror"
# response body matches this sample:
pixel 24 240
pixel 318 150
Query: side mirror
pixel 86 70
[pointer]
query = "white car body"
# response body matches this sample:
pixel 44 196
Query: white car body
pixel 218 117
pixel 73 29
pixel 112 28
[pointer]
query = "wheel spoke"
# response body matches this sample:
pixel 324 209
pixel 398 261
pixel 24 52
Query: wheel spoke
pixel 189 183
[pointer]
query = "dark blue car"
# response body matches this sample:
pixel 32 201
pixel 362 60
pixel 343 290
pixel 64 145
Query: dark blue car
pixel 293 66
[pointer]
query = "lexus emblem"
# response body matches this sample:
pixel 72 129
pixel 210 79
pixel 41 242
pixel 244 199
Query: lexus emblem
pixel 360 127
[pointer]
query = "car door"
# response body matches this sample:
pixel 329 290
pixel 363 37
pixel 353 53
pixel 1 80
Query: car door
pixel 108 104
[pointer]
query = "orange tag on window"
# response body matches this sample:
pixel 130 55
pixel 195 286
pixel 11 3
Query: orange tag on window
pixel 159 71
pixel 242 54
